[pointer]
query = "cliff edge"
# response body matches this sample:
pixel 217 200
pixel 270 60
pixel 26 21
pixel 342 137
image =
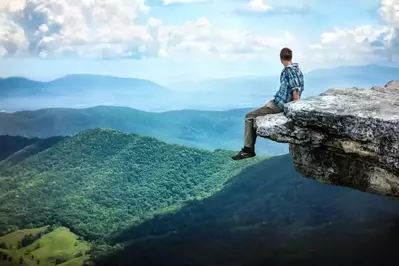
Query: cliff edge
pixel 345 136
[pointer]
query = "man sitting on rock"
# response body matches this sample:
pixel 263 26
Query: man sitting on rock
pixel 291 87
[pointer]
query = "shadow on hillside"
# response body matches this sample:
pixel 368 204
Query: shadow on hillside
pixel 16 148
pixel 269 215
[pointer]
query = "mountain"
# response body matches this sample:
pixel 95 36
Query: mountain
pixel 12 144
pixel 316 82
pixel 35 146
pixel 238 85
pixel 82 83
pixel 101 181
pixel 267 215
pixel 105 82
pixel 347 77
pixel 201 129
pixel 192 207
pixel 82 91
pixel 37 246
pixel 18 86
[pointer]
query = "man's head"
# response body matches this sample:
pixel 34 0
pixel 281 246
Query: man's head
pixel 286 56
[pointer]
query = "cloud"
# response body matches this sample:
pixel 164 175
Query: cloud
pixel 262 8
pixel 257 6
pixel 158 3
pixel 12 36
pixel 168 2
pixel 389 12
pixel 109 29
pixel 88 28
pixel 201 39
pixel 115 29
pixel 364 44
pixel 361 45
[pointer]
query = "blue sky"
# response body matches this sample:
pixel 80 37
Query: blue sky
pixel 168 42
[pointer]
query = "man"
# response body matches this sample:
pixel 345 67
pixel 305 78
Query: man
pixel 291 87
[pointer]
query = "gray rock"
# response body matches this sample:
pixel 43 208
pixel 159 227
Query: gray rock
pixel 345 136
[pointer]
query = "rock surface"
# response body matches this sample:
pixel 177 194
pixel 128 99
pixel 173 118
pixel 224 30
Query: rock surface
pixel 345 136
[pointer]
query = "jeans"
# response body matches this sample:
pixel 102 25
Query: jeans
pixel 250 118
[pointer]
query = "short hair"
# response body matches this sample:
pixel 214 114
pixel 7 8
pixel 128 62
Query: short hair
pixel 286 54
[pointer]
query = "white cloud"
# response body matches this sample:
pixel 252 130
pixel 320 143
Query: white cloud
pixel 262 8
pixel 88 27
pixel 12 36
pixel 168 2
pixel 361 45
pixel 201 39
pixel 389 11
pixel 110 29
pixel 364 44
pixel 258 6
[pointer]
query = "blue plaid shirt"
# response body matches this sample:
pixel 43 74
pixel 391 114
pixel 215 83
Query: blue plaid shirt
pixel 291 79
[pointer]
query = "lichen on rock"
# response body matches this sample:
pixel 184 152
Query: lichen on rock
pixel 344 136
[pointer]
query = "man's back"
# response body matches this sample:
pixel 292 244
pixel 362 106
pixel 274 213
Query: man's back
pixel 291 79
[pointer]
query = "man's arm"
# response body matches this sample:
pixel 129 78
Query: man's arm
pixel 295 94
pixel 293 84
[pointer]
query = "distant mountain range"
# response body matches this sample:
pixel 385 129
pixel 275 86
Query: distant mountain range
pixel 316 81
pixel 200 129
pixel 81 91
pixel 18 86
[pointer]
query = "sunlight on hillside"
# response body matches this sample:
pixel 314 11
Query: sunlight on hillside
pixel 57 247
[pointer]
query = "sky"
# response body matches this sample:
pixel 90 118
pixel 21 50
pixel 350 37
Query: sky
pixel 177 40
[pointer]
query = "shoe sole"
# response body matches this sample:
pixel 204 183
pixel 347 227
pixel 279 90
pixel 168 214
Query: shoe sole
pixel 244 157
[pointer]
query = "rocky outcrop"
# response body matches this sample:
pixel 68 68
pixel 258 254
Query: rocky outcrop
pixel 346 137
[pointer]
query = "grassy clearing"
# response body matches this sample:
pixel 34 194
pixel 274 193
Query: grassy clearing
pixel 59 247
pixel 12 239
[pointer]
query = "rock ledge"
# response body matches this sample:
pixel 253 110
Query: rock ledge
pixel 345 136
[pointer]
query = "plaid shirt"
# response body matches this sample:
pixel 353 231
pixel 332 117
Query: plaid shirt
pixel 291 79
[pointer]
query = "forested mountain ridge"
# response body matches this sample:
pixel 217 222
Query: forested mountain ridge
pixel 16 148
pixel 267 215
pixel 184 204
pixel 199 129
pixel 105 180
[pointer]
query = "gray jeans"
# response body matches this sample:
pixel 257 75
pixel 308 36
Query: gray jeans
pixel 250 118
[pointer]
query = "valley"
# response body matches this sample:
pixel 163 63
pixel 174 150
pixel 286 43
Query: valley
pixel 129 196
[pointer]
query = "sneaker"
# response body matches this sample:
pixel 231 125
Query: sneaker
pixel 244 154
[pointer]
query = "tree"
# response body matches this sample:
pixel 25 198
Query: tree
pixel 3 256
pixel 29 239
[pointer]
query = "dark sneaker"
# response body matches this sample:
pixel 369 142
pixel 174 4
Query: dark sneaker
pixel 244 154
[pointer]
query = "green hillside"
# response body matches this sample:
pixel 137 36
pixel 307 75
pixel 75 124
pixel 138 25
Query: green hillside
pixel 101 181
pixel 43 246
pixel 188 206
pixel 18 148
pixel 12 144
pixel 200 129
pixel 268 215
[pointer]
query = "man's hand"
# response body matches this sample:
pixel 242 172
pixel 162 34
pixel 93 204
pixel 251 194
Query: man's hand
pixel 295 95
